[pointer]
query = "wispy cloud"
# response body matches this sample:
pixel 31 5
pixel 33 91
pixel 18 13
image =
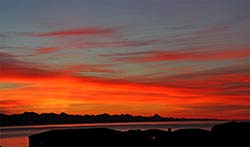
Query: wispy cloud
pixel 182 55
pixel 10 66
pixel 3 47
pixel 76 32
pixel 91 45
pixel 98 68
pixel 230 81
pixel 46 50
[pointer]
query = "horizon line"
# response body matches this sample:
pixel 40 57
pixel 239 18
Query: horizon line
pixel 127 114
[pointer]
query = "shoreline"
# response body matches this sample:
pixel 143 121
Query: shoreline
pixel 116 122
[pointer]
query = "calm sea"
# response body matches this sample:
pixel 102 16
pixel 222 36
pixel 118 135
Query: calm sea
pixel 17 136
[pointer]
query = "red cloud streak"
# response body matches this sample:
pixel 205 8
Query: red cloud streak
pixel 76 32
pixel 154 56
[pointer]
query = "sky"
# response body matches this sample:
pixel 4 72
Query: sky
pixel 176 58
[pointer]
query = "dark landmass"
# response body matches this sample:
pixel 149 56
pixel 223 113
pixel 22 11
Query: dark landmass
pixel 227 134
pixel 32 118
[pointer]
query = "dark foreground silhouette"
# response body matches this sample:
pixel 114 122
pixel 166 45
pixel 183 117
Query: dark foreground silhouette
pixel 228 134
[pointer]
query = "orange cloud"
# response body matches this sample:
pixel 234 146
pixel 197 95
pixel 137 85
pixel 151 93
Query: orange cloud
pixel 65 91
pixel 44 89
pixel 43 93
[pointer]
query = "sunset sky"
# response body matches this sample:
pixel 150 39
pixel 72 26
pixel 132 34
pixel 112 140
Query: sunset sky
pixel 177 58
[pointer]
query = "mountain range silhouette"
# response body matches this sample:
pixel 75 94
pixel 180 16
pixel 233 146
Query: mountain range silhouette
pixel 32 118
